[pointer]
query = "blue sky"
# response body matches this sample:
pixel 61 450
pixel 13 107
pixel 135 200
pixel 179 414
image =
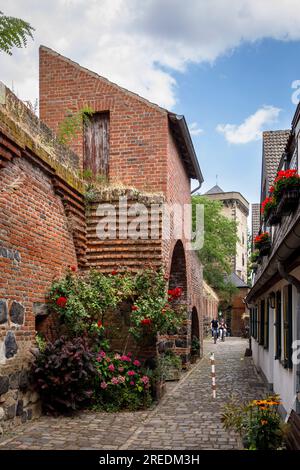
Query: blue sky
pixel 228 91
pixel 227 65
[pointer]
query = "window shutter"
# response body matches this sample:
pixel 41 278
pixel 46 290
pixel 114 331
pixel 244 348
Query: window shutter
pixel 278 326
pixel 287 326
pixel 266 324
pixel 262 323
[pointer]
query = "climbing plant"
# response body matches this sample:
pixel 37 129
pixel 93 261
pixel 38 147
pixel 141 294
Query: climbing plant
pixel 71 125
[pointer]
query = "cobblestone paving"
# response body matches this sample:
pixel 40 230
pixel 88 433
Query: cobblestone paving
pixel 187 417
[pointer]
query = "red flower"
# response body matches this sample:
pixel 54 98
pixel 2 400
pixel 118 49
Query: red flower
pixel 267 204
pixel 271 190
pixel 174 293
pixel 286 174
pixel 99 323
pixel 62 302
pixel 73 268
pixel 114 272
pixel 134 308
pixel 146 321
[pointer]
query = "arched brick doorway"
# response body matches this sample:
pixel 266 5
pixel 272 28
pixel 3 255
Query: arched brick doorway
pixel 180 341
pixel 195 335
pixel 178 271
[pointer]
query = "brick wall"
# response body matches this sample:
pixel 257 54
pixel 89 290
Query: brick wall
pixel 138 130
pixel 36 245
pixel 143 152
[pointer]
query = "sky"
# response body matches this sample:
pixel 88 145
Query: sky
pixel 230 66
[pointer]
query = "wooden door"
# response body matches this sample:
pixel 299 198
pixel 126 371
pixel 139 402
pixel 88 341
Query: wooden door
pixel 96 144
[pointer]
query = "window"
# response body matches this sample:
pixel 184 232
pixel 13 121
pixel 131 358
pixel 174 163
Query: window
pixel 278 325
pixel 287 326
pixel 243 260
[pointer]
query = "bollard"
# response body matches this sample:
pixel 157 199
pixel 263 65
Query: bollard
pixel 213 376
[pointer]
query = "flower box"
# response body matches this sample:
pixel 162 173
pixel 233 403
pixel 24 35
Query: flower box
pixel 265 248
pixel 274 217
pixel 289 201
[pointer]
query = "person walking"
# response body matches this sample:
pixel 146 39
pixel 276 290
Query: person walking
pixel 214 329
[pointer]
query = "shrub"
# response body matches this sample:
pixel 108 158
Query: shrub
pixel 121 382
pixel 258 422
pixel 64 372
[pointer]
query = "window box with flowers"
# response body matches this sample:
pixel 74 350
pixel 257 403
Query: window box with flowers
pixel 263 243
pixel 286 191
pixel 269 211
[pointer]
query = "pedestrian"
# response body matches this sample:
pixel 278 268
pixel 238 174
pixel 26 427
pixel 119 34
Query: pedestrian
pixel 214 329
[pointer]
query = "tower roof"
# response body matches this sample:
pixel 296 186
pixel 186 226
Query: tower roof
pixel 215 190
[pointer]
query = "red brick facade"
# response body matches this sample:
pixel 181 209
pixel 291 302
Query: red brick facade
pixel 144 152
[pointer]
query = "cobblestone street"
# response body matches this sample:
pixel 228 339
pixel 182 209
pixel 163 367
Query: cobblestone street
pixel 187 417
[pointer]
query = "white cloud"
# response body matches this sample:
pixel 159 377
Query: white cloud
pixel 252 126
pixel 195 129
pixel 140 44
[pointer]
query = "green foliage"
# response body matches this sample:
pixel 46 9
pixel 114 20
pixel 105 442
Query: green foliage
pixel 258 422
pixel 195 346
pixel 82 301
pixel 166 362
pixel 64 374
pixel 121 382
pixel 220 239
pixel 14 32
pixel 41 342
pixel 152 313
pixel 71 126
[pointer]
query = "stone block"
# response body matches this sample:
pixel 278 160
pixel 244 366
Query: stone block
pixel 14 381
pixel 10 344
pixel 19 410
pixel 23 380
pixel 17 313
pixel 4 384
pixel 10 412
pixel 3 312
pixel 2 414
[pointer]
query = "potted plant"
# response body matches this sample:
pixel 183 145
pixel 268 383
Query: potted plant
pixel 170 365
pixel 263 243
pixel 254 260
pixel 286 190
pixel 269 211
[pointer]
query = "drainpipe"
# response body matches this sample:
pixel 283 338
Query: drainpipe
pixel 295 282
pixel 196 189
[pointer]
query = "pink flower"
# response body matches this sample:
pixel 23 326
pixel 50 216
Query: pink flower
pixel 136 363
pixel 132 382
pixel 145 380
pixel 102 354
pixel 117 356
pixel 131 373
pixel 121 369
pixel 103 385
pixel 111 367
pixel 125 358
pixel 121 379
pixel 129 354
pixel 108 359
pixel 114 381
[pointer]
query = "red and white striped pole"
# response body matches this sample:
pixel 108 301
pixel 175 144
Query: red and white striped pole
pixel 213 376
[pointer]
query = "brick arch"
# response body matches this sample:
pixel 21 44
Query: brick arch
pixel 178 273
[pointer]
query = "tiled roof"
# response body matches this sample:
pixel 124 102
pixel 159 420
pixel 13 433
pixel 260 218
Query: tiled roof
pixel 236 280
pixel 274 143
pixel 215 190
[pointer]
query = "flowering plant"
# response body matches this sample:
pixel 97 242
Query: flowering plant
pixel 259 240
pixel 121 381
pixel 267 205
pixel 286 179
pixel 152 311
pixel 258 422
